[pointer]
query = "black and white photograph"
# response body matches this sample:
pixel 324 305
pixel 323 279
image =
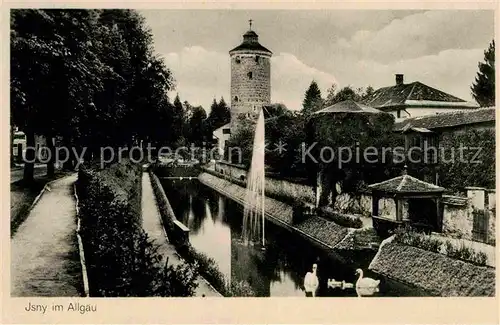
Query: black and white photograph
pixel 251 153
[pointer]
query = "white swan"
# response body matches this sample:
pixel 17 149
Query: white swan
pixel 366 286
pixel 311 282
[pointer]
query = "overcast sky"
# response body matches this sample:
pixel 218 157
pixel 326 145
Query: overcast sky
pixel 359 48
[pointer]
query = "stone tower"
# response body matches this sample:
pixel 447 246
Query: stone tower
pixel 250 76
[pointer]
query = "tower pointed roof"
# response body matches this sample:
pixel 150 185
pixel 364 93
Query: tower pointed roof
pixel 250 42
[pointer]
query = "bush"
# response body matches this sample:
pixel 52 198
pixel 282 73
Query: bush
pixel 241 289
pixel 208 268
pixel 344 220
pixel 406 236
pixel 121 260
pixel 466 254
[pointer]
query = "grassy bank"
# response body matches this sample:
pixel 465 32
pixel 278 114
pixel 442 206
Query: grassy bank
pixel 121 259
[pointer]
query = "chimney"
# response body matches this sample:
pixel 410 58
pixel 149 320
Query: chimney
pixel 399 79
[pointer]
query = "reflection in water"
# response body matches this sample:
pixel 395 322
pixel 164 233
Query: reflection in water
pixel 215 224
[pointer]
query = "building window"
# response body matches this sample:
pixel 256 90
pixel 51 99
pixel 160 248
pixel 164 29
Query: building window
pixel 226 131
pixel 236 98
pixel 250 75
pixel 238 60
pixel 257 59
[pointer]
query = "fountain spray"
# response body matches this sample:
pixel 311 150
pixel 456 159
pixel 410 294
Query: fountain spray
pixel 254 210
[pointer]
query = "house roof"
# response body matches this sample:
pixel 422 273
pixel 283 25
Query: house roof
pixel 447 120
pixel 225 126
pixel 415 94
pixel 349 106
pixel 406 184
pixel 251 42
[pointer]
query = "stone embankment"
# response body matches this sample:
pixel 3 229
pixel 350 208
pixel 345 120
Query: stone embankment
pixel 321 232
pixel 435 273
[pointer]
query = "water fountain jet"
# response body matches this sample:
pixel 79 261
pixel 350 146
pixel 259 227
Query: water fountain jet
pixel 253 212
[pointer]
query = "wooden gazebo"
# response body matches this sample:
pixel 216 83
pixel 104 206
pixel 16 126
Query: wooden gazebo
pixel 421 200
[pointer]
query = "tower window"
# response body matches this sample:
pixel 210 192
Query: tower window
pixel 257 59
pixel 238 60
pixel 250 75
pixel 236 98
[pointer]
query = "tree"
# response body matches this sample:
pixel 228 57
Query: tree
pixel 195 124
pixel 219 115
pixel 277 109
pixel 483 88
pixel 312 100
pixel 350 136
pixel 88 76
pixel 343 94
pixel 368 92
pixel 179 117
pixel 330 95
pixel 53 69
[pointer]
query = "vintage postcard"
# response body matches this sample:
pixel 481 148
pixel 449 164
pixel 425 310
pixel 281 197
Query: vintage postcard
pixel 257 163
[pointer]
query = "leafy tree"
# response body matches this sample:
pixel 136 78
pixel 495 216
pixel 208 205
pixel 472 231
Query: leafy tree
pixel 53 69
pixel 275 110
pixel 368 92
pixel 312 100
pixel 239 146
pixel 88 76
pixel 456 172
pixel 483 88
pixel 349 136
pixel 343 94
pixel 330 95
pixel 357 94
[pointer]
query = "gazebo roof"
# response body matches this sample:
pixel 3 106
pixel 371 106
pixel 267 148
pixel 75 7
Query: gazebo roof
pixel 406 184
pixel 349 106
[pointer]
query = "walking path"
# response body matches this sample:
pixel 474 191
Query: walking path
pixel 44 251
pixel 151 222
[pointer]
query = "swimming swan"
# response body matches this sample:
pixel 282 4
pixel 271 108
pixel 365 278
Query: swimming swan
pixel 366 286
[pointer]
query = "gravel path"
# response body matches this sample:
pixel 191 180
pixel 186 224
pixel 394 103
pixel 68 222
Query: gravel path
pixel 151 222
pixel 44 254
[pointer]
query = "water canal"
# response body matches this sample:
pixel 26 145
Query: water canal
pixel 215 224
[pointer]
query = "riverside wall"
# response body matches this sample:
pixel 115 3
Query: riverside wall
pixel 433 273
pixel 320 232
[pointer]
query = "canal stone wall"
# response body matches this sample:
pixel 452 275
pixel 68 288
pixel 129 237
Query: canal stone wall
pixel 435 273
pixel 299 191
pixel 321 232
pixel 178 232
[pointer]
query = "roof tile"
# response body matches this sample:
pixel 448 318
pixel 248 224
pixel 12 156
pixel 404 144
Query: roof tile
pixel 406 184
pixel 449 119
pixel 415 91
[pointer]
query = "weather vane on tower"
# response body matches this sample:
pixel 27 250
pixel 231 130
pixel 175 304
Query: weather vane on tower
pixel 250 21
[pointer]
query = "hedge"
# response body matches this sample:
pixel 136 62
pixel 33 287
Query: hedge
pixel 121 259
pixel 344 220
pixel 426 242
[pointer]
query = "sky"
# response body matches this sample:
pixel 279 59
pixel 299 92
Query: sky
pixel 440 48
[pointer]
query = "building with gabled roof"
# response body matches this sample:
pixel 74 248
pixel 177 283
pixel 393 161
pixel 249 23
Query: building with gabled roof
pixel 451 121
pixel 413 99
